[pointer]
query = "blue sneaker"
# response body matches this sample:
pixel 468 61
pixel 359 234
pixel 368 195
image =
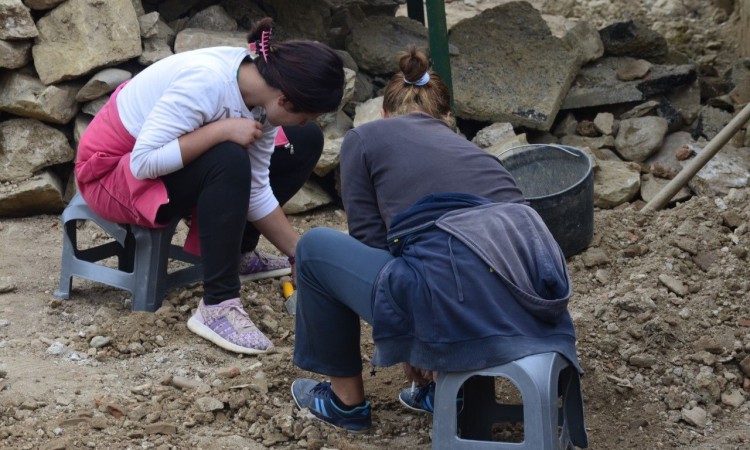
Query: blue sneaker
pixel 422 399
pixel 318 398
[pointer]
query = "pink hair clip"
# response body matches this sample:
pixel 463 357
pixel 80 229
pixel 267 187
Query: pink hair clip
pixel 265 36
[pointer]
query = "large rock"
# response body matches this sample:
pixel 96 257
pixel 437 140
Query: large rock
pixel 98 33
pixel 42 194
pixel 579 35
pixel 23 94
pixel 42 4
pixel 302 19
pixel 311 196
pixel 597 84
pixel 583 38
pixel 79 126
pixel 368 111
pixel 664 163
pixel 743 21
pixel 633 38
pixel 615 183
pixel 157 38
pixel 336 125
pixel 244 12
pixel 102 83
pixel 172 9
pixel 494 134
pixel 687 100
pixel 510 68
pixel 600 146
pixel 195 38
pixel 14 54
pixel 213 18
pixel 329 160
pixel 651 186
pixel 710 122
pixel 640 137
pixel 740 77
pixel 729 168
pixel 27 145
pixel 375 43
pixel 16 21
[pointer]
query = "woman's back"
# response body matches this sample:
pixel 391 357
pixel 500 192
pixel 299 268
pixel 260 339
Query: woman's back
pixel 388 165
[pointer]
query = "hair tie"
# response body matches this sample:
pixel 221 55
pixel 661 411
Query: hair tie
pixel 420 82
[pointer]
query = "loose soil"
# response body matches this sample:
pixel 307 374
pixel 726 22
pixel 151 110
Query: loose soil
pixel 660 308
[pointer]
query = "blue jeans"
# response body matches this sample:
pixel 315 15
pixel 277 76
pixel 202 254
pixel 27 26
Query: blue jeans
pixel 335 278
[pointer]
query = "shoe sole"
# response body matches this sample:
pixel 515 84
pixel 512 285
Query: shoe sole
pixel 424 411
pixel 313 416
pixel 206 333
pixel 263 275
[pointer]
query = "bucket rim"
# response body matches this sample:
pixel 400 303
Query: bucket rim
pixel 567 149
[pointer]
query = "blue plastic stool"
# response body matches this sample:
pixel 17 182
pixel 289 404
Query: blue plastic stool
pixel 142 257
pixel 551 413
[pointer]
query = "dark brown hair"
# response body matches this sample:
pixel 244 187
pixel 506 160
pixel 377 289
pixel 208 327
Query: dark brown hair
pixel 402 95
pixel 309 74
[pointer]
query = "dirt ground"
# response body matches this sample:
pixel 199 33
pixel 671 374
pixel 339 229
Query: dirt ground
pixel 661 309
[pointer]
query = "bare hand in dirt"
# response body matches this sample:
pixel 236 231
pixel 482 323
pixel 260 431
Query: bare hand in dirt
pixel 419 376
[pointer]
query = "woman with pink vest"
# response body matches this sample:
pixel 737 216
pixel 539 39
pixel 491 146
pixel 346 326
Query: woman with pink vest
pixel 195 133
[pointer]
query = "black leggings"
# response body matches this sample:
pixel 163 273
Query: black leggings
pixel 217 184
pixel 291 166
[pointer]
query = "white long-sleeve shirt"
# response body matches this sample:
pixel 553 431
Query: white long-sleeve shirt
pixel 182 93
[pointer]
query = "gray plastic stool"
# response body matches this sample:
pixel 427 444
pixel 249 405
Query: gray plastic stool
pixel 142 257
pixel 548 422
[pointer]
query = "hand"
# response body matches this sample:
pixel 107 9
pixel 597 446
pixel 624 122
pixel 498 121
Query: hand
pixel 238 130
pixel 419 376
pixel 242 131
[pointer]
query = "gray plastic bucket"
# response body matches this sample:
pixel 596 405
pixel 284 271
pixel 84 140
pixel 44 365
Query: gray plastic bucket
pixel 558 182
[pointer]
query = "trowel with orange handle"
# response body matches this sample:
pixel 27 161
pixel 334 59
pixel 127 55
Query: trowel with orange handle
pixel 289 294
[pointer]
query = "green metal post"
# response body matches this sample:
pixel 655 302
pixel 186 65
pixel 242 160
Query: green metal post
pixel 438 32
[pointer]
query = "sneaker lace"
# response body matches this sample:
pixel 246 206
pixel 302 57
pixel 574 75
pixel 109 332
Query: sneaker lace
pixel 240 317
pixel 262 257
pixel 322 389
pixel 421 393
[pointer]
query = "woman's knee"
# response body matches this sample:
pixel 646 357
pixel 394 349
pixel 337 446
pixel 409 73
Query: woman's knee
pixel 318 241
pixel 230 161
pixel 307 140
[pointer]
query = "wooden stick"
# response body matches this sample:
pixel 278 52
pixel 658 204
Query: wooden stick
pixel 700 160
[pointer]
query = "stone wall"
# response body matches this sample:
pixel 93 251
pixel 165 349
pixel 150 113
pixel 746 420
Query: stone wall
pixel 618 90
pixel 60 60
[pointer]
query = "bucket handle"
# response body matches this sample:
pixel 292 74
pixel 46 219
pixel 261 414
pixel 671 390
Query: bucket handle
pixel 535 145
